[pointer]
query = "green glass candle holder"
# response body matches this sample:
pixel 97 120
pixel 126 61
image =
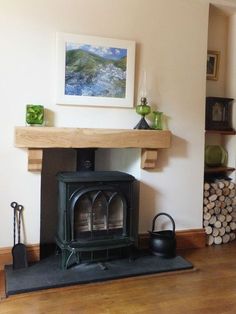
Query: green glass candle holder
pixel 34 115
pixel 157 120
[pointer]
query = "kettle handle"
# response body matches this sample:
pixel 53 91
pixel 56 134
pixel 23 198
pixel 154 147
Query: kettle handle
pixel 164 214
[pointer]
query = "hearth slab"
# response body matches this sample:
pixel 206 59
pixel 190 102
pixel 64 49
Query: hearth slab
pixel 47 273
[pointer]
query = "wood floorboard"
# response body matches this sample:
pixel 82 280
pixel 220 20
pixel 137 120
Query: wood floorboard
pixel 209 289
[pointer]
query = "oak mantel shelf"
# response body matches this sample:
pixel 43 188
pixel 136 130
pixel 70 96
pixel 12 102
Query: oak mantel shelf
pixel 38 138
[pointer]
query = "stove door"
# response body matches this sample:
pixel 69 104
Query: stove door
pixel 98 213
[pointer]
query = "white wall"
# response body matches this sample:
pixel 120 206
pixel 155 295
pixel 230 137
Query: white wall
pixel 171 39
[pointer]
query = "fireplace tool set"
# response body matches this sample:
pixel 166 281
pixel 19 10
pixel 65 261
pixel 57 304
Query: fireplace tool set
pixel 19 250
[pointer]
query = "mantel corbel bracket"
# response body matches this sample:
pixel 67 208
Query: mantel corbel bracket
pixel 35 159
pixel 149 158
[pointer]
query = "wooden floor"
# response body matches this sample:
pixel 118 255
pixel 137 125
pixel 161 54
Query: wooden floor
pixel 209 289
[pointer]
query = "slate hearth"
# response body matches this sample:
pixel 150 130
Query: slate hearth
pixel 47 273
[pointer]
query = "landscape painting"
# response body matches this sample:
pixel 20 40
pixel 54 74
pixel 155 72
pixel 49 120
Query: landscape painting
pixel 95 71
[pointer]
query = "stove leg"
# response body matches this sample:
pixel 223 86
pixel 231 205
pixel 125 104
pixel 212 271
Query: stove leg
pixel 77 256
pixel 131 254
pixel 65 258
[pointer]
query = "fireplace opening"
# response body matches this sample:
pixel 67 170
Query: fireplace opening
pixel 96 215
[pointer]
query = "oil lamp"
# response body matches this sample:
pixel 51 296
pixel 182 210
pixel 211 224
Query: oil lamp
pixel 143 108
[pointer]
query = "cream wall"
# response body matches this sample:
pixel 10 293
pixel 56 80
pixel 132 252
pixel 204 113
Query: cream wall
pixel 230 141
pixel 218 41
pixel 171 38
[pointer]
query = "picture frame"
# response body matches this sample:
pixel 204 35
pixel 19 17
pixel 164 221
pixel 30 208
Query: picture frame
pixel 94 71
pixel 213 63
pixel 218 114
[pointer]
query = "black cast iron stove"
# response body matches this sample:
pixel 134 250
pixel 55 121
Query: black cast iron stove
pixel 96 215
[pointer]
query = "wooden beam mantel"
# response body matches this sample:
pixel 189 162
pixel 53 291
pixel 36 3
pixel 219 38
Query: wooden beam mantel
pixel 38 138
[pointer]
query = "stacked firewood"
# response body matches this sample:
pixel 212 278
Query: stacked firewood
pixel 219 211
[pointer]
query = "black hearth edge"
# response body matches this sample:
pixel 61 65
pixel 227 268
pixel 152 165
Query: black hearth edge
pixel 46 274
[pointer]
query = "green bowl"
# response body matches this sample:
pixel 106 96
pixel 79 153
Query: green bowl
pixel 215 156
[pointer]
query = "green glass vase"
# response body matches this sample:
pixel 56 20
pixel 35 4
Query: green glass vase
pixel 34 115
pixel 157 120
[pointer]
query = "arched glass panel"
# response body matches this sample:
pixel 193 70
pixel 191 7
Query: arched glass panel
pixel 116 213
pixel 99 210
pixel 82 214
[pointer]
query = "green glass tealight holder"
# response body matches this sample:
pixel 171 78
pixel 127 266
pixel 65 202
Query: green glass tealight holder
pixel 157 120
pixel 34 115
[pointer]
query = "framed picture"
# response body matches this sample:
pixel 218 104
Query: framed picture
pixel 213 62
pixel 218 113
pixel 95 71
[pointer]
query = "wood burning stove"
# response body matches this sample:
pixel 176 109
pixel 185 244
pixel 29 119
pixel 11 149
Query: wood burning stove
pixel 96 215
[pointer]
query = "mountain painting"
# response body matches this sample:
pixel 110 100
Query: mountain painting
pixel 97 71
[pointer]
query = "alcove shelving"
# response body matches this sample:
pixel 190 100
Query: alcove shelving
pixel 221 42
pixel 218 169
pixel 221 132
pixel 221 169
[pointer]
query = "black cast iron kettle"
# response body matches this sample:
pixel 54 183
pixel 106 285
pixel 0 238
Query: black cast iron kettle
pixel 163 243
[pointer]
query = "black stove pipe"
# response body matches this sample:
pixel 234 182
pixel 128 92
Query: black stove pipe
pixel 85 159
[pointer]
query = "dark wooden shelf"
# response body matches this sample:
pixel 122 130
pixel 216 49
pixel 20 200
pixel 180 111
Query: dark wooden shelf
pixel 233 132
pixel 218 169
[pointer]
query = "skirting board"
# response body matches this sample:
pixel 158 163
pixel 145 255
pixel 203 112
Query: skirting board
pixel 186 239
